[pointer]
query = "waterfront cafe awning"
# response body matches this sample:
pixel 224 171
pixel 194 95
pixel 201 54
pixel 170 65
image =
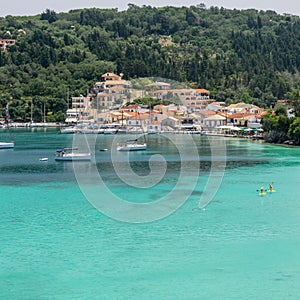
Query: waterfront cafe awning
pixel 227 127
pixel 254 129
pixel 234 128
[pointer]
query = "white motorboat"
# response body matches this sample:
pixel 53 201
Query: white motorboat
pixel 68 154
pixel 11 144
pixel 38 124
pixel 132 145
pixel 7 145
pixel 110 129
pixel 68 130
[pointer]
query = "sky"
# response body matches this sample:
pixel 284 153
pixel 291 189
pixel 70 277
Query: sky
pixel 34 7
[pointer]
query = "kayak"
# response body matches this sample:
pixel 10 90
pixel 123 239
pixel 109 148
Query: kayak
pixel 262 193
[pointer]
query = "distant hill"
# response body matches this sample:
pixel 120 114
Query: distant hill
pixel 239 55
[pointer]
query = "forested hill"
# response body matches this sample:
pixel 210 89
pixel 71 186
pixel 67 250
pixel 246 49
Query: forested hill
pixel 239 55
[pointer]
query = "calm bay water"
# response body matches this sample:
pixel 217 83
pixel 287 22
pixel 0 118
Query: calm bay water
pixel 56 245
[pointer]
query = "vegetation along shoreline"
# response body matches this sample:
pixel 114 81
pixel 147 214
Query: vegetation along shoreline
pixel 51 60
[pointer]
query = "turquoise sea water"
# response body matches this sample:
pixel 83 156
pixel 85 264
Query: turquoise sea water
pixel 55 245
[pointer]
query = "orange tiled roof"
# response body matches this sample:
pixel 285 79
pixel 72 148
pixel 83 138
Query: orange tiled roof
pixel 204 91
pixel 207 112
pixel 176 110
pixel 161 91
pixel 155 123
pixel 131 106
pixel 135 116
pixel 236 116
pixel 261 114
pixel 110 74
pixel 117 87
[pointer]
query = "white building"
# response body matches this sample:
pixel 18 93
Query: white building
pixel 172 122
pixel 210 123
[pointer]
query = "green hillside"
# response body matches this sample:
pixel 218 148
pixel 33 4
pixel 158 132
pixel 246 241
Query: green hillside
pixel 239 55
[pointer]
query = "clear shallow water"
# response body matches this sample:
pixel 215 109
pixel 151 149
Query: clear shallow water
pixel 55 245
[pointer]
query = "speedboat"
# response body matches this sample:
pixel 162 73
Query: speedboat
pixel 7 145
pixel 132 145
pixel 68 154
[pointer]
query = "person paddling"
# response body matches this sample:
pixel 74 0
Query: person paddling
pixel 271 187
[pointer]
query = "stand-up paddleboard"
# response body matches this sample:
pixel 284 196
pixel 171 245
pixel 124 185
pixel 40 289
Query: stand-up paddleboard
pixel 262 194
pixel 271 191
pixel 261 191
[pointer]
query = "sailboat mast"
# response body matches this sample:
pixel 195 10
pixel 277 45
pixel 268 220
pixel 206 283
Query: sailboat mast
pixel 31 111
pixel 44 113
pixel 68 91
pixel 145 141
pixel 7 117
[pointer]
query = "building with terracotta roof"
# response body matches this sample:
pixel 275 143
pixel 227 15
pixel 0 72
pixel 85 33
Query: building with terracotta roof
pixel 213 121
pixel 4 43
pixel 154 127
pixel 110 76
pixel 171 122
pixel 201 93
pixel 109 80
pixel 108 99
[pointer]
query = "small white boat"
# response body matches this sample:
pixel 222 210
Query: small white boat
pixel 44 159
pixel 132 145
pixel 11 144
pixel 68 154
pixel 38 124
pixel 110 130
pixel 7 145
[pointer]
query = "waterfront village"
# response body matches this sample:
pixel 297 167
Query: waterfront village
pixel 110 109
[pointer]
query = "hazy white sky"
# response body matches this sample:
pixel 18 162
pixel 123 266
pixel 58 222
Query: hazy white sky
pixel 34 7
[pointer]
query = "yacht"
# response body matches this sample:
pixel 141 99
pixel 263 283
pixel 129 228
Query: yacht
pixel 68 154
pixel 7 145
pixel 132 145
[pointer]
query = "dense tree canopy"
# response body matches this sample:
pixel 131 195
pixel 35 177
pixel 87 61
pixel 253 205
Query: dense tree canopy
pixel 238 55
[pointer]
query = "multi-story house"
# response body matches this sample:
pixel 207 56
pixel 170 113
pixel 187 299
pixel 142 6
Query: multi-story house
pixel 6 42
pixel 111 91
